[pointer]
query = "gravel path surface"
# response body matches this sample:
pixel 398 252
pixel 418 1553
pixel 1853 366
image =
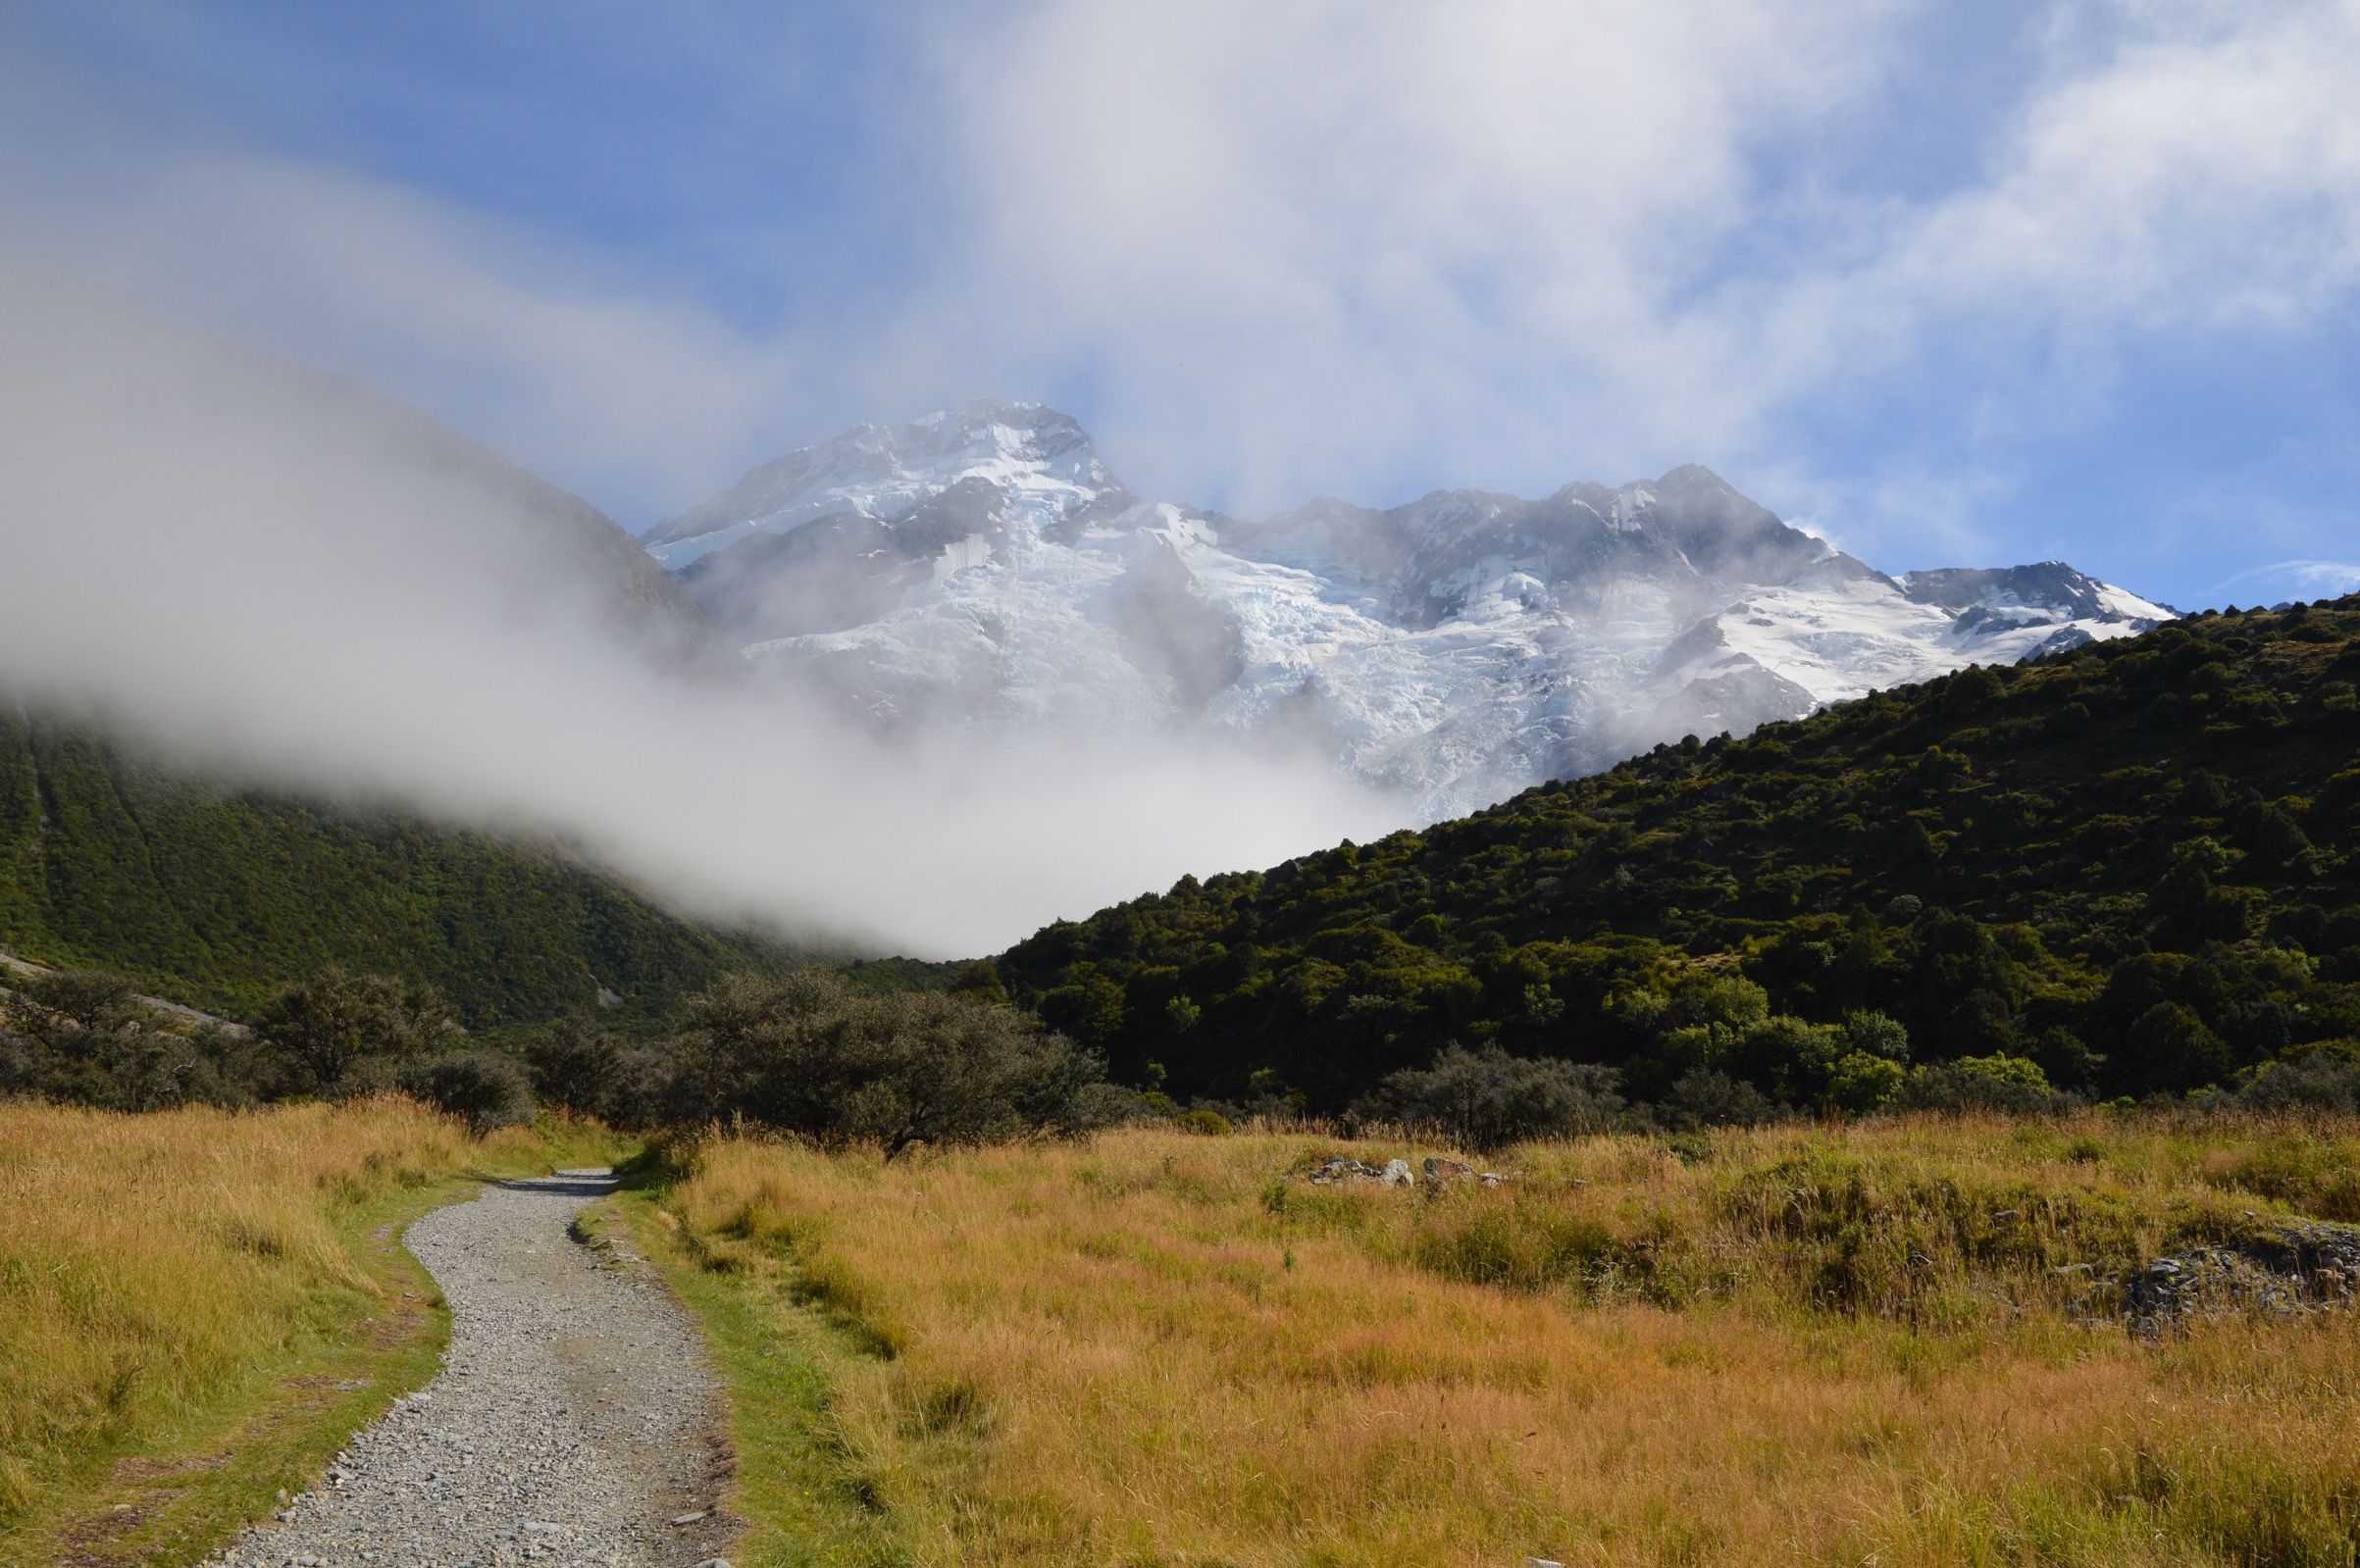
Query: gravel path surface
pixel 574 1421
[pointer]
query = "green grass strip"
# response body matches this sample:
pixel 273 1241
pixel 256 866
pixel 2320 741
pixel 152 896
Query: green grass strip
pixel 807 1500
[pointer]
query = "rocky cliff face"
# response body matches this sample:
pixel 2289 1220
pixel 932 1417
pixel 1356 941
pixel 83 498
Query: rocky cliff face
pixel 986 567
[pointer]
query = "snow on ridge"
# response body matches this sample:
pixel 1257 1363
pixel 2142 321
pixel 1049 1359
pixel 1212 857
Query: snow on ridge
pixel 1040 458
pixel 1450 650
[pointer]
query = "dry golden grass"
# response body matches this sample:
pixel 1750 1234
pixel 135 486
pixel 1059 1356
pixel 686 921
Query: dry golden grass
pixel 155 1268
pixel 1158 1349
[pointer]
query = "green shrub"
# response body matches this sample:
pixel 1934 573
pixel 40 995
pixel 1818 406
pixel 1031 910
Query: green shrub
pixel 84 1038
pixel 1861 1083
pixel 805 1055
pixel 489 1088
pixel 1487 1099
pixel 2318 1081
pixel 1710 1097
pixel 1998 1083
pixel 588 1071
pixel 331 1022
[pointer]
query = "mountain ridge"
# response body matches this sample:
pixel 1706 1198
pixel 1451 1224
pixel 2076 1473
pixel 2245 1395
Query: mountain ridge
pixel 988 567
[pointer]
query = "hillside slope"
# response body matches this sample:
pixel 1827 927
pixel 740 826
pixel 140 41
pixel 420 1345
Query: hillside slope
pixel 2133 862
pixel 215 896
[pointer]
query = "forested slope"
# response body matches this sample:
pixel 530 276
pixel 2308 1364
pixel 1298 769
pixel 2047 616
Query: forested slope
pixel 2133 864
pixel 216 896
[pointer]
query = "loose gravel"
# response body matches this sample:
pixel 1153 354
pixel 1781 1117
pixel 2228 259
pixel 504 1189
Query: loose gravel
pixel 575 1421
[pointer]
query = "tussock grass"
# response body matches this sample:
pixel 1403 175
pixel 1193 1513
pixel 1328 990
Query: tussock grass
pixel 1165 1349
pixel 165 1276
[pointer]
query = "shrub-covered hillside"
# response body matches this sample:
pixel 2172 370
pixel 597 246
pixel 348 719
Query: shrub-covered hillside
pixel 218 897
pixel 2132 865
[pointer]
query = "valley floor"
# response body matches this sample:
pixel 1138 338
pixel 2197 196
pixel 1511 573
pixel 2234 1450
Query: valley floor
pixel 2106 1340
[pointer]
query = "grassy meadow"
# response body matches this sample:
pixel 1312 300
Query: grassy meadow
pixel 1867 1343
pixel 198 1306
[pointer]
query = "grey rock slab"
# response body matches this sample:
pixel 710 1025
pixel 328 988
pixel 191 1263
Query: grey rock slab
pixel 574 1420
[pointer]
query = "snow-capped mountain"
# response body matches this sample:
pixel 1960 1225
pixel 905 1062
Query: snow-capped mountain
pixel 986 567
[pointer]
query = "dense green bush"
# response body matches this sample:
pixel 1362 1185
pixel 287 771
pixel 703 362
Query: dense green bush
pixel 591 1072
pixel 2010 1083
pixel 331 1024
pixel 491 1089
pixel 1707 1097
pixel 1486 1099
pixel 805 1054
pixel 2322 1081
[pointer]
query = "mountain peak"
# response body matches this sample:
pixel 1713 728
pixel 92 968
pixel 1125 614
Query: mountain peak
pixel 1693 477
pixel 1025 431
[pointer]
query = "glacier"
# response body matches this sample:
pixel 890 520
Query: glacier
pixel 985 569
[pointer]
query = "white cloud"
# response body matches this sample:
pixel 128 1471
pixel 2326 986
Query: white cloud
pixel 1300 239
pixel 1298 246
pixel 1317 245
pixel 1321 243
pixel 2181 166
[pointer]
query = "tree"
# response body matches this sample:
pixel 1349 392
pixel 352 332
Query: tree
pixel 981 980
pixel 1787 1058
pixel 2320 1080
pixel 1999 1083
pixel 580 1068
pixel 803 1055
pixel 487 1088
pixel 1089 1008
pixel 1861 1083
pixel 1707 1097
pixel 951 1070
pixel 2174 1050
pixel 333 1021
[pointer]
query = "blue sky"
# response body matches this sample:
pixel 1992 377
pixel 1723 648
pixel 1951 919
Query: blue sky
pixel 1955 285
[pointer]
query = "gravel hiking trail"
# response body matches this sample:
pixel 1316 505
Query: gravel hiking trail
pixel 575 1420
